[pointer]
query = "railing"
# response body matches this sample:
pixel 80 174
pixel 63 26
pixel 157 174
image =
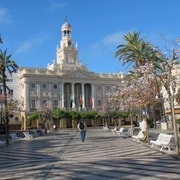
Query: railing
pixel 59 72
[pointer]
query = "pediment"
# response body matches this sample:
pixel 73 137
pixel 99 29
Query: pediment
pixel 79 75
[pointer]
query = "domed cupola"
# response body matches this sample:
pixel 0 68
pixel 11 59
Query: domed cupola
pixel 66 29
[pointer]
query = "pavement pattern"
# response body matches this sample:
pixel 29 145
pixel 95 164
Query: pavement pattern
pixel 104 155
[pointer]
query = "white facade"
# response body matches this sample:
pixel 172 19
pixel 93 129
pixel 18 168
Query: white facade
pixel 65 83
pixel 14 86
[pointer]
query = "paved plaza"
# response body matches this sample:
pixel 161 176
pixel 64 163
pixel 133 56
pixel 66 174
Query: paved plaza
pixel 104 155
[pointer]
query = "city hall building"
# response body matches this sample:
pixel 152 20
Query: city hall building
pixel 64 84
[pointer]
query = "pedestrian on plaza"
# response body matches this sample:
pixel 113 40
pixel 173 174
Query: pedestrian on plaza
pixel 46 127
pixel 82 128
pixel 143 127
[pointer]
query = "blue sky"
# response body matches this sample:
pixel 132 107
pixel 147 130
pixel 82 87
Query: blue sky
pixel 30 29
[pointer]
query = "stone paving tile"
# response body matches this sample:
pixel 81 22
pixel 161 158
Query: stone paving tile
pixel 103 155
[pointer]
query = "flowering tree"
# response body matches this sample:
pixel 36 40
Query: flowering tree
pixel 139 52
pixel 12 106
pixel 136 92
pixel 102 113
pixel 168 80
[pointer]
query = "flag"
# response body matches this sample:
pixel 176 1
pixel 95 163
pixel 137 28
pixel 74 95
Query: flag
pixel 80 101
pixel 71 101
pixel 91 102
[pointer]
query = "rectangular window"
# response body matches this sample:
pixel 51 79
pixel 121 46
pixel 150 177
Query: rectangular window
pixel 55 103
pixel 44 86
pixel 33 85
pixel 10 80
pixel 55 86
pixel 33 104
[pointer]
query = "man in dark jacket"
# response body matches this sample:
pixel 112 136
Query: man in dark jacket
pixel 82 128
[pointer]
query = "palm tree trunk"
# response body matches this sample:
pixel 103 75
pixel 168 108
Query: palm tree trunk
pixel 5 106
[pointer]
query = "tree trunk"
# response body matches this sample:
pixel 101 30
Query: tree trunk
pixel 7 128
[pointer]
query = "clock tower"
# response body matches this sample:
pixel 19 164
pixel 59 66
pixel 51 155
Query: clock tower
pixel 66 52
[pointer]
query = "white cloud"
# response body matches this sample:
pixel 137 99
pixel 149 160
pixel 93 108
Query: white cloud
pixel 30 44
pixel 107 45
pixel 25 46
pixel 113 39
pixel 4 16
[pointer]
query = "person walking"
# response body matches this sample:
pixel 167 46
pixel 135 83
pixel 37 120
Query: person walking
pixel 82 128
pixel 143 127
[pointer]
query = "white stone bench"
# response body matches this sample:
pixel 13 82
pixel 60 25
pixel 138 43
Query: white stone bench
pixel 114 130
pixel 106 128
pixel 138 137
pixel 27 135
pixel 163 140
pixel 123 132
pixel 15 138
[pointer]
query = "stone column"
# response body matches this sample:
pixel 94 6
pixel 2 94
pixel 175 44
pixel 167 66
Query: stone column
pixel 72 96
pixel 26 96
pixel 62 95
pixel 50 103
pixel 26 102
pixel 92 95
pixel 38 91
pixel 83 99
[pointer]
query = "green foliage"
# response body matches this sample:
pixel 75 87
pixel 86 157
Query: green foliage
pixel 74 115
pixel 91 114
pixel 33 116
pixel 115 114
pixel 83 114
pixel 60 114
pixel 178 121
pixel 132 114
pixel 118 114
pixel 135 50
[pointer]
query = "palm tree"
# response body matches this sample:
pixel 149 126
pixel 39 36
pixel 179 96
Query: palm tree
pixel 139 52
pixel 136 50
pixel 6 66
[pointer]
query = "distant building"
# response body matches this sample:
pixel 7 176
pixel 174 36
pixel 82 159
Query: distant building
pixel 14 92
